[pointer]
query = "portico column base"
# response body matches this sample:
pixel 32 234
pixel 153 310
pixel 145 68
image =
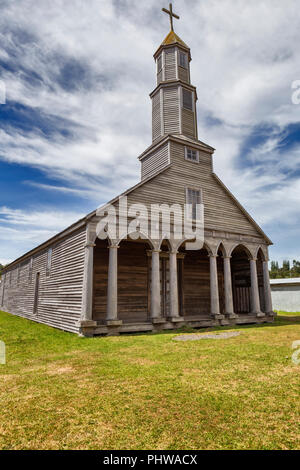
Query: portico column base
pixel 260 314
pixel 86 328
pixel 159 320
pixel 218 316
pixel 271 314
pixel 114 322
pixel 176 319
pixel 231 315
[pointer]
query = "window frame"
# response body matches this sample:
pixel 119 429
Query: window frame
pixel 49 261
pixel 192 109
pixel 36 294
pixel 186 150
pixel 186 65
pixel 198 190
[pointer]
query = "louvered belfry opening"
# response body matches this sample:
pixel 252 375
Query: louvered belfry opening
pixel 174 98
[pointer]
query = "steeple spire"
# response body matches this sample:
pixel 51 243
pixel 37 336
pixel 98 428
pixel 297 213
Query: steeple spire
pixel 174 97
pixel 171 14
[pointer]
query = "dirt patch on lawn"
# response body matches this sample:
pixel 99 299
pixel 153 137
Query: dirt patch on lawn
pixel 56 369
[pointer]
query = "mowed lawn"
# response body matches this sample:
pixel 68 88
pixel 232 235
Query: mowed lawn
pixel 59 391
pixel 288 314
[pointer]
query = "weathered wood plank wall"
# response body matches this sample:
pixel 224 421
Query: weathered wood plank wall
pixel 132 281
pixel 156 161
pixel 221 213
pixel 196 283
pixel 60 293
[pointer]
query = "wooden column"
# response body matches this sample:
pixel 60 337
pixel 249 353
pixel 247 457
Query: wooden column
pixel 87 293
pixel 267 289
pixel 112 287
pixel 214 287
pixel 174 306
pixel 86 324
pixel 255 302
pixel 228 288
pixel 155 287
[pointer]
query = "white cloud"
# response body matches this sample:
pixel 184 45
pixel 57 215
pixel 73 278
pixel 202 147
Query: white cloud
pixel 26 229
pixel 245 57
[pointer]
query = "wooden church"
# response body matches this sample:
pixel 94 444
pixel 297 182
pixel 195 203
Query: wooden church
pixel 85 285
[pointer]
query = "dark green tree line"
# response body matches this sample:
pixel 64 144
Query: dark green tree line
pixel 286 270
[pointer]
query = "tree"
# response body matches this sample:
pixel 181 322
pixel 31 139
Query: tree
pixel 286 270
pixel 296 268
pixel 274 273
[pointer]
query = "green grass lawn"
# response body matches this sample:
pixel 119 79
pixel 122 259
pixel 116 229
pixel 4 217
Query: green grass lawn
pixel 59 391
pixel 288 314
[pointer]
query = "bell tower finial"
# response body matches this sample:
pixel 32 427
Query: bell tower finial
pixel 171 14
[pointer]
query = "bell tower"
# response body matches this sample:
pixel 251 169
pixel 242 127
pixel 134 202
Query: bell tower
pixel 174 114
pixel 174 98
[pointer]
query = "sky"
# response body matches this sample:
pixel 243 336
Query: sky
pixel 78 74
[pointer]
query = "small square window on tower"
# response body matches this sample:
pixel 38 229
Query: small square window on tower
pixel 191 155
pixel 183 62
pixel 187 99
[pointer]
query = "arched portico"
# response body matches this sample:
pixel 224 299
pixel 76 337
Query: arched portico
pixel 137 282
pixel 121 279
pixel 241 279
pixel 260 258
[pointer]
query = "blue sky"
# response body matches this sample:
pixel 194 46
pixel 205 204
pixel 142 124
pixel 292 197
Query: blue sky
pixel 77 114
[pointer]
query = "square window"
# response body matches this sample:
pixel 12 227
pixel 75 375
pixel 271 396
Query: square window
pixel 191 154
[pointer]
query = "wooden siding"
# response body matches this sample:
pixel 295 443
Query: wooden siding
pixel 241 282
pixel 132 281
pixel 159 78
pixel 183 74
pixel 171 111
pixel 155 161
pixel 260 278
pixel 196 283
pixel 156 117
pixel 188 123
pixel 60 293
pixel 221 213
pixel 170 64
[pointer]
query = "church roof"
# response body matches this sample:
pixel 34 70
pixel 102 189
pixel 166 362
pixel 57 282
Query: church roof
pixel 172 38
